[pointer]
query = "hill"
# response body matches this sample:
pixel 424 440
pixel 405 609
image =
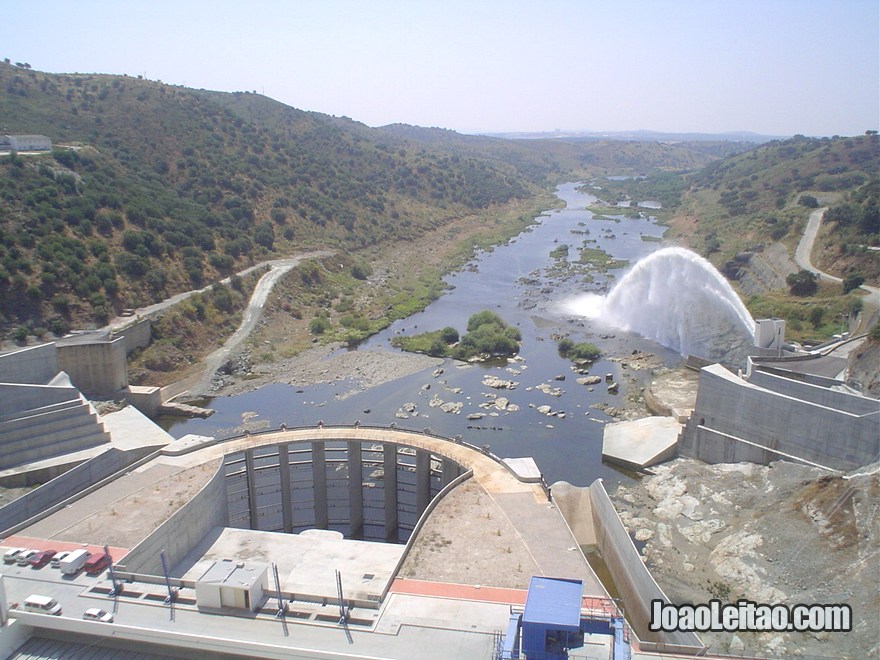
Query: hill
pixel 153 189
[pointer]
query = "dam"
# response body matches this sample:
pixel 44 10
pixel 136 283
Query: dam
pixel 360 499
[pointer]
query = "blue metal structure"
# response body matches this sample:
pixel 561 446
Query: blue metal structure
pixel 553 622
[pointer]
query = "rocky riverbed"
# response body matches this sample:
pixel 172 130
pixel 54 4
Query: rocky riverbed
pixel 778 534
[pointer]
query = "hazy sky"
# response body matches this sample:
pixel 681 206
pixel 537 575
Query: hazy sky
pixel 775 67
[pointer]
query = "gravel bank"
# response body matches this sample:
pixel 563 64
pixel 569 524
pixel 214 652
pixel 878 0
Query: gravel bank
pixel 321 364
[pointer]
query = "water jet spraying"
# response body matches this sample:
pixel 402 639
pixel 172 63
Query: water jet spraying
pixel 678 299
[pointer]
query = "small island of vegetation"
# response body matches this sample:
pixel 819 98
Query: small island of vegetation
pixel 578 353
pixel 488 336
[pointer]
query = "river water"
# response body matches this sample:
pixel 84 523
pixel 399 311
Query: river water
pixel 524 284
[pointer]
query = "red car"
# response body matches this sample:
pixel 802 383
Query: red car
pixel 97 562
pixel 41 558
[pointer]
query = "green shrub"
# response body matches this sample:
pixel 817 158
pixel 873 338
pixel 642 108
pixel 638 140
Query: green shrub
pixel 360 271
pixel 319 325
pixel 580 352
pixel 852 281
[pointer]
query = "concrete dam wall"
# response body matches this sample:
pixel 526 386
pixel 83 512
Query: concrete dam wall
pixel 771 417
pixel 364 490
pixel 372 491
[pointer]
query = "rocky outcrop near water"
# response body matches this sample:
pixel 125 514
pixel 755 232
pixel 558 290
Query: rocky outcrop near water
pixel 783 533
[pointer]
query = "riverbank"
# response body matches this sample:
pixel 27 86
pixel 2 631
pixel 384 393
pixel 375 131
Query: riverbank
pixel 353 296
pixel 319 365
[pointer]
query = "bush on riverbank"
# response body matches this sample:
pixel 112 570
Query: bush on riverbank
pixel 488 335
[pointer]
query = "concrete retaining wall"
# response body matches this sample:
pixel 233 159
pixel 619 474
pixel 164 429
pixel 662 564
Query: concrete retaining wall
pixel 575 505
pixel 731 412
pixel 146 399
pixel 97 368
pixel 136 335
pixel 14 635
pixel 633 581
pixel 44 500
pixel 37 364
pixel 180 533
pixel 815 393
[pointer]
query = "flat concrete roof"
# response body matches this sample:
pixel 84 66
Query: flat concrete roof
pixel 79 339
pixel 307 562
pixel 827 366
pixel 233 573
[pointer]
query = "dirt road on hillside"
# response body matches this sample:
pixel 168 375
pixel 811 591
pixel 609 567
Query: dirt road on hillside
pixel 286 264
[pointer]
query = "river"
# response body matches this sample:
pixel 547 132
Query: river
pixel 527 287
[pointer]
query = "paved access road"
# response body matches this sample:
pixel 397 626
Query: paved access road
pixel 802 257
pixel 805 250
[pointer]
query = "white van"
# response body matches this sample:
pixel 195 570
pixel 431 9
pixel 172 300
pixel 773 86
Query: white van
pixel 71 564
pixel 41 605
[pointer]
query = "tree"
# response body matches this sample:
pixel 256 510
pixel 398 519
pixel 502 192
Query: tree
pixel 852 281
pixel 483 318
pixel 809 201
pixel 264 235
pixel 360 271
pixel 449 334
pixel 816 315
pixel 802 283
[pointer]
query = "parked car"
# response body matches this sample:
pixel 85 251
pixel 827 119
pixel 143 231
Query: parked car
pixel 11 555
pixel 22 557
pixel 41 558
pixel 60 557
pixel 97 563
pixel 41 605
pixel 97 614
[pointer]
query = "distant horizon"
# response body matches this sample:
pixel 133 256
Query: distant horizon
pixel 561 132
pixel 769 67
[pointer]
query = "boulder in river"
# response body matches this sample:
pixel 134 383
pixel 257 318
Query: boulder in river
pixel 549 389
pixel 499 383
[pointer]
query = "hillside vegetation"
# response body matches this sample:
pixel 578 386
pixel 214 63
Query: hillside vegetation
pixel 153 189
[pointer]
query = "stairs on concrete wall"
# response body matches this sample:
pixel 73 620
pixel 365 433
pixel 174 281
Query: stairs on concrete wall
pixel 48 431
